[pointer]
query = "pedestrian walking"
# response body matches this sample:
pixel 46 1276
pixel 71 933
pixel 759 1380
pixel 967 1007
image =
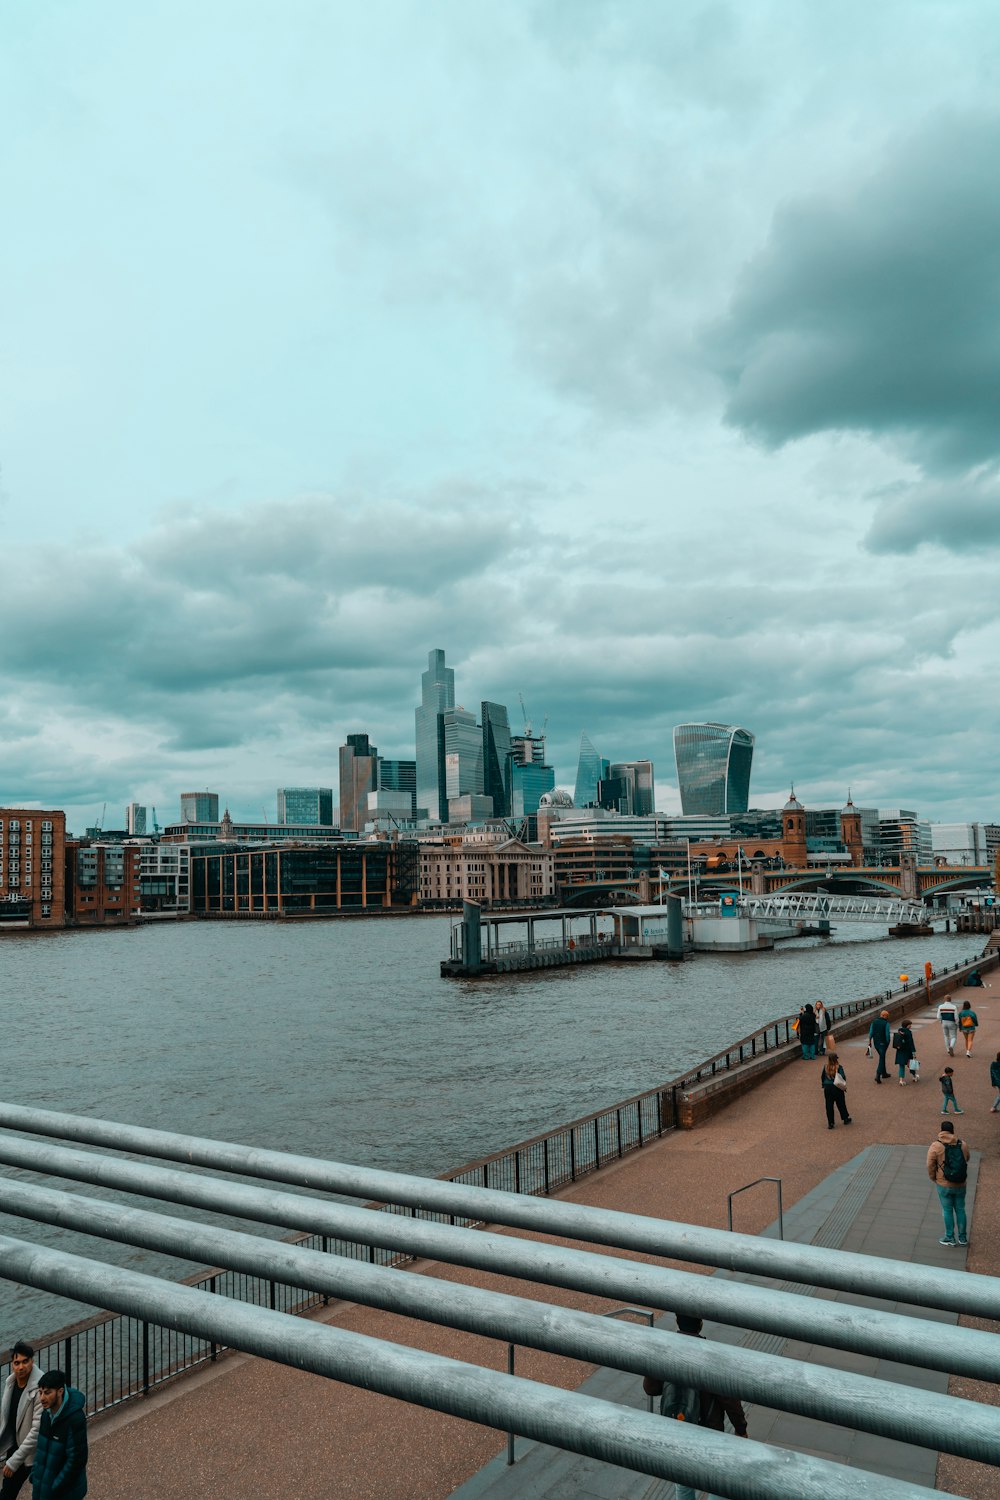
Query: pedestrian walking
pixel 693 1404
pixel 947 1168
pixel 947 1082
pixel 20 1414
pixel 968 1022
pixel 822 1028
pixel 807 1031
pixel 947 1013
pixel 905 1047
pixel 834 1082
pixel 60 1468
pixel 995 1080
pixel 879 1033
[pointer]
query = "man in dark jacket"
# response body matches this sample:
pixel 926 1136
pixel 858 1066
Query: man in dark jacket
pixel 713 1408
pixel 879 1033
pixel 60 1468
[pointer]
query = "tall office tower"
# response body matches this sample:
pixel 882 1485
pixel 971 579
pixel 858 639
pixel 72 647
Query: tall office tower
pixel 399 776
pixel 496 749
pixel 437 695
pixel 308 806
pixel 463 753
pixel 358 777
pixel 713 767
pixel 199 807
pixel 637 795
pixel 135 819
pixel 590 770
pixel 528 777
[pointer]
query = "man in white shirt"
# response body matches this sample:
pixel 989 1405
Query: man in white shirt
pixel 947 1013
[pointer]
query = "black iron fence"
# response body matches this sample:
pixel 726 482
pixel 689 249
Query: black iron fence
pixel 113 1359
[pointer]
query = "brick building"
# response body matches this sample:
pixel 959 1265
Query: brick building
pixel 32 867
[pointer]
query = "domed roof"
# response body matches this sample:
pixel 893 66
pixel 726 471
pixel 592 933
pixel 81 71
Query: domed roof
pixel 793 804
pixel 558 798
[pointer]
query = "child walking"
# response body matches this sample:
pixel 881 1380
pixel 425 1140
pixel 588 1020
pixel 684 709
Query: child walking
pixel 947 1082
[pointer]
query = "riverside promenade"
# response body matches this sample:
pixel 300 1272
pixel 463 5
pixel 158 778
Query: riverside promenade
pixel 248 1427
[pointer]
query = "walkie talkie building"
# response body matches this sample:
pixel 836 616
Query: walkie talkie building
pixel 713 767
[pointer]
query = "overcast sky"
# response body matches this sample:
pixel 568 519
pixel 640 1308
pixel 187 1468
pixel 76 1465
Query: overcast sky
pixel 645 358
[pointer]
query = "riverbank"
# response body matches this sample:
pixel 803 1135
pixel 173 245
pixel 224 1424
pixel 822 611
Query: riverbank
pixel 206 1433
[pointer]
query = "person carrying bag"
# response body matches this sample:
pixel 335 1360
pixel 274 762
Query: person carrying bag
pixel 834 1082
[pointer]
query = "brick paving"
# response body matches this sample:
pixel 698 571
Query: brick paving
pixel 249 1427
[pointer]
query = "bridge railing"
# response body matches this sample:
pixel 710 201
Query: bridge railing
pixel 116 1358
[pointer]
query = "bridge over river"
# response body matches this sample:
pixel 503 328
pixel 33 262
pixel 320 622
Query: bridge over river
pixel 820 906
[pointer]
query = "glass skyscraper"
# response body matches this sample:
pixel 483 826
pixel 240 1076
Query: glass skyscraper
pixel 358 777
pixel 713 767
pixel 463 753
pixel 591 769
pixel 399 776
pixel 437 695
pixel 496 749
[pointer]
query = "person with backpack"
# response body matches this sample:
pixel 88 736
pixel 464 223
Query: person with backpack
pixel 968 1021
pixel 995 1081
pixel 947 1168
pixel 807 1031
pixel 879 1033
pixel 688 1403
pixel 906 1048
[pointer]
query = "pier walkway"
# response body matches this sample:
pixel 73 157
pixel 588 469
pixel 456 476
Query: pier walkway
pixel 247 1427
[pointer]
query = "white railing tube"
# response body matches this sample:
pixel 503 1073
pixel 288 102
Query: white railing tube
pixel 862 1330
pixel 738 1468
pixel 943 1423
pixel 838 1270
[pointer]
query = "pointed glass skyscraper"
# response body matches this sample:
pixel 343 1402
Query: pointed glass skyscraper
pixel 591 768
pixel 437 695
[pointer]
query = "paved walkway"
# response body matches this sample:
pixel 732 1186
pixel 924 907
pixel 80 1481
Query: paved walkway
pixel 249 1428
pixel 875 1204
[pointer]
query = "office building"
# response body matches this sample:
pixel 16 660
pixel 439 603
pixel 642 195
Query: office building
pixel 591 769
pixel 437 696
pixel 199 807
pixel 496 749
pixel 135 820
pixel 305 880
pixel 463 754
pixel 901 833
pixel 103 884
pixel 358 777
pixel 628 788
pixel 308 806
pixel 713 767
pixel 491 869
pixel 960 844
pixel 399 776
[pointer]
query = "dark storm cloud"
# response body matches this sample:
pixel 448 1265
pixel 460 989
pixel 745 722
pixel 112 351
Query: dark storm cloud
pixel 877 309
pixel 961 515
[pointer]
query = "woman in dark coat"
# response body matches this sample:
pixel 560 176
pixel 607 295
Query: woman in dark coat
pixel 807 1031
pixel 905 1047
pixel 833 1093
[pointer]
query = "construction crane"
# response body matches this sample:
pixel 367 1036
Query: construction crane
pixel 524 713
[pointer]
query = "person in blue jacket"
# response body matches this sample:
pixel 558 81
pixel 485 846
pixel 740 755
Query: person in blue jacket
pixel 59 1471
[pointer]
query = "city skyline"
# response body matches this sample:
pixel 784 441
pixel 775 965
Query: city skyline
pixel 348 333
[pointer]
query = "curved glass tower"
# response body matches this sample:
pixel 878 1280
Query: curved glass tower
pixel 713 767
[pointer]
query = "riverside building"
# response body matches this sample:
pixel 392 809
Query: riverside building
pixel 32 867
pixel 306 806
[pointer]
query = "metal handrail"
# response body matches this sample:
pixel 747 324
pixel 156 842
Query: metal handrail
pixel 634 1312
pixel 745 1189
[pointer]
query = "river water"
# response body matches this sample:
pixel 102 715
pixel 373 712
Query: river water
pixel 339 1039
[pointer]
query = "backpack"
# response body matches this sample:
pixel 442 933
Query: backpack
pixel 902 1040
pixel 955 1168
pixel 681 1402
pixel 966 1020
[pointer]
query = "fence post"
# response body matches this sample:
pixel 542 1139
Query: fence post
pixel 572 1155
pixel 545 1156
pixel 145 1358
pixel 68 1359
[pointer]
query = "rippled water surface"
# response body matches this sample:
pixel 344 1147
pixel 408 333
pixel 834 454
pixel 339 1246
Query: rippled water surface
pixel 339 1039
